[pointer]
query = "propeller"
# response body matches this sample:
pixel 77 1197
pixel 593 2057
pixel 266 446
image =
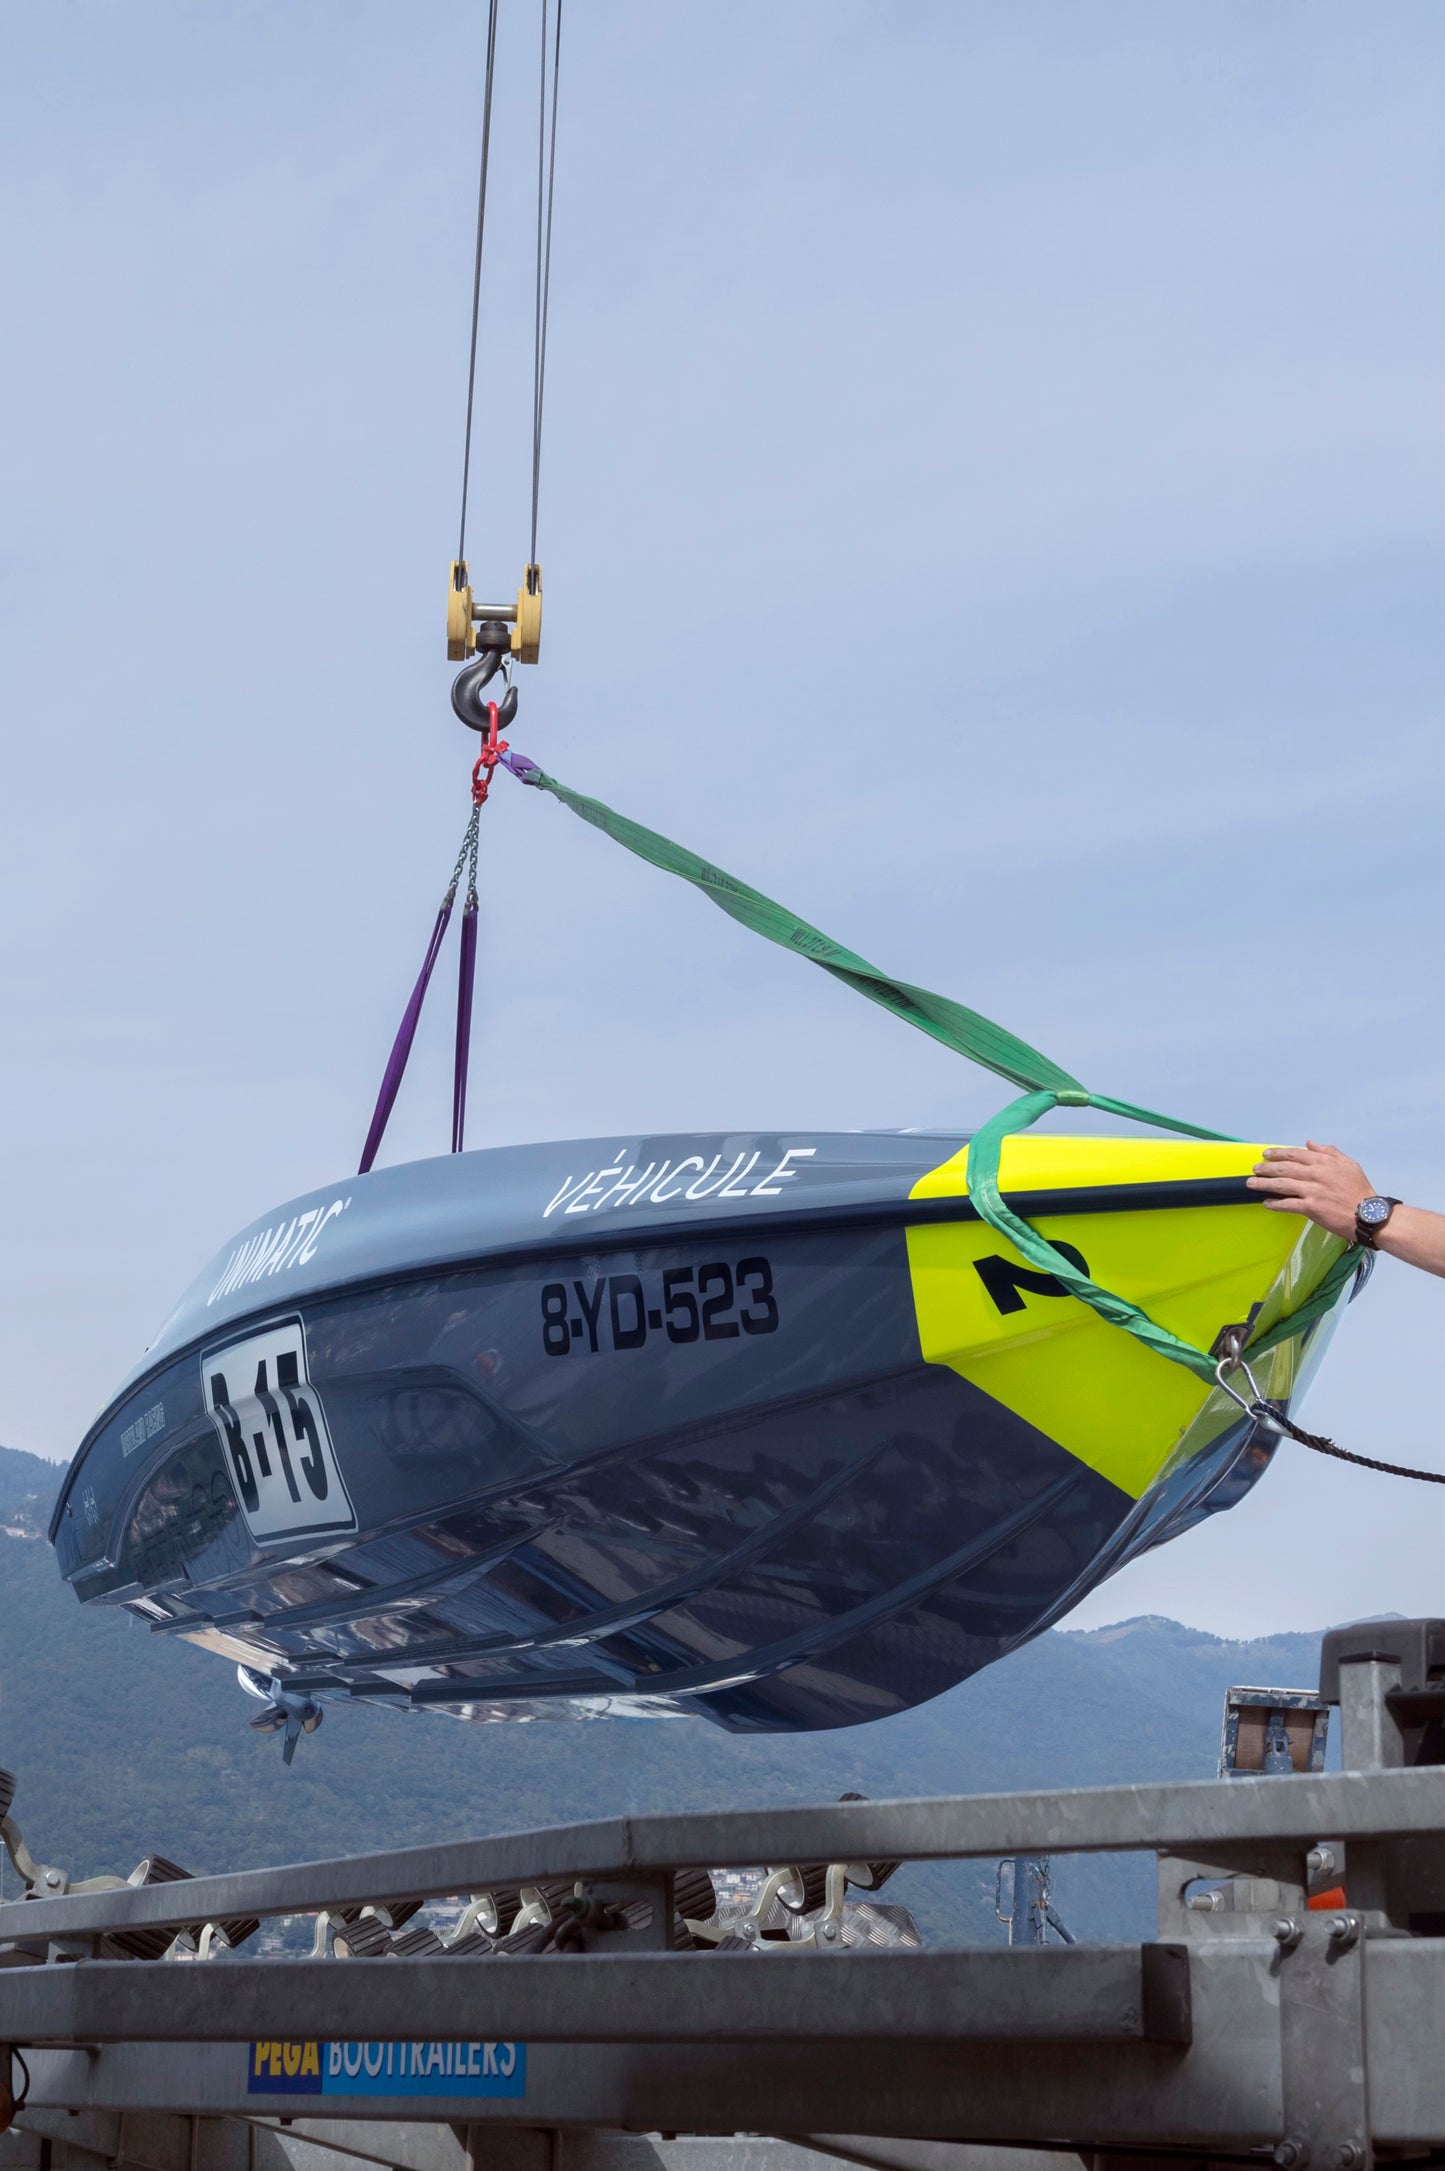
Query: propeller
pixel 285 1708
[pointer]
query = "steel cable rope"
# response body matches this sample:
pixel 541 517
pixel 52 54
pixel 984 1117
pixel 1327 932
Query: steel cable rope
pixel 1258 1406
pixel 546 172
pixel 477 271
pixel 493 744
pixel 1322 1446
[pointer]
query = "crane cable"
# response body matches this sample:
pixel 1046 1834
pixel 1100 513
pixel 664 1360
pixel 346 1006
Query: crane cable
pixel 546 188
pixel 477 274
pixel 491 715
pixel 546 141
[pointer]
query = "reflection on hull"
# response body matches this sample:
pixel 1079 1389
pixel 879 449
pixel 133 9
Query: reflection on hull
pixel 794 1462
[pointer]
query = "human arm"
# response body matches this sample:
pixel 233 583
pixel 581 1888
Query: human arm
pixel 1327 1186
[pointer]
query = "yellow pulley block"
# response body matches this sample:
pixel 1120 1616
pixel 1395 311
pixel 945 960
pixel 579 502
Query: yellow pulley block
pixel 461 633
pixel 464 615
pixel 527 632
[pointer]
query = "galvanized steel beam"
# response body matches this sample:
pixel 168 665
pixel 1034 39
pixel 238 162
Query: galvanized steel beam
pixel 1193 1817
pixel 1101 1993
pixel 1223 2091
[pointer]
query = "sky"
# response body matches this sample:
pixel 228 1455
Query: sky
pixel 989 500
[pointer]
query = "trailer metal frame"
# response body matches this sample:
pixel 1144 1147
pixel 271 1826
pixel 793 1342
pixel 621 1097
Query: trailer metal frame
pixel 1255 2027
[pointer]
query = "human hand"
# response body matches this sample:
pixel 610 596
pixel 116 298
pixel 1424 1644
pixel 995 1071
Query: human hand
pixel 1318 1181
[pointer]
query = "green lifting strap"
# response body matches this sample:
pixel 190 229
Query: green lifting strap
pixel 962 1030
pixel 967 1034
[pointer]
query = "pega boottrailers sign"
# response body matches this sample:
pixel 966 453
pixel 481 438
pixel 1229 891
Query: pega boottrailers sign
pixel 386 2069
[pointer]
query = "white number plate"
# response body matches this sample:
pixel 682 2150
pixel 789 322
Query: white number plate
pixel 273 1428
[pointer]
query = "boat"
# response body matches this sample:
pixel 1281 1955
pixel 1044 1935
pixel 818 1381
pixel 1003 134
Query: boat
pixel 769 1428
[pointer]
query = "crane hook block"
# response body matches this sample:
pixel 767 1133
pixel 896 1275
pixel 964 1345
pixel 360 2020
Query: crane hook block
pixel 465 616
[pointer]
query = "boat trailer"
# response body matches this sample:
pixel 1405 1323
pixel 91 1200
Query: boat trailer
pixel 640 2023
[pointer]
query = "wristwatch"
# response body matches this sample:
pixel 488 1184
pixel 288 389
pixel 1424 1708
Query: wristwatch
pixel 1370 1217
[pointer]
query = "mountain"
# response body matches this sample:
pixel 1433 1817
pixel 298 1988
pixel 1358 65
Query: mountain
pixel 28 1486
pixel 127 1743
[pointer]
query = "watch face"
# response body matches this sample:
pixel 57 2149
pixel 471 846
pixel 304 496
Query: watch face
pixel 1373 1212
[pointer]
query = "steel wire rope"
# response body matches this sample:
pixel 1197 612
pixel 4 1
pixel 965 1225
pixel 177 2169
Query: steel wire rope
pixel 477 269
pixel 1323 1446
pixel 546 180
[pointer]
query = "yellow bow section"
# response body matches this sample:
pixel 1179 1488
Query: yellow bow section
pixel 1195 1267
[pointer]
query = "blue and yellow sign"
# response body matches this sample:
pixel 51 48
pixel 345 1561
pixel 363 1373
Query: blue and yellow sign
pixel 387 2069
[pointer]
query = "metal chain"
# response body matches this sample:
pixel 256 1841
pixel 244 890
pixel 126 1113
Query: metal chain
pixel 468 850
pixel 473 833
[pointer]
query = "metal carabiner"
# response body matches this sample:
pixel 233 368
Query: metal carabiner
pixel 1233 1359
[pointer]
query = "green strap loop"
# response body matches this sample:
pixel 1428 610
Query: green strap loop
pixel 968 1034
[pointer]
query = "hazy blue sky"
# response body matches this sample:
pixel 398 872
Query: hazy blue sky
pixel 990 501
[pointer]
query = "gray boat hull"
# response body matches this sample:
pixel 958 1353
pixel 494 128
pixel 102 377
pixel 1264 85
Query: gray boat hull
pixel 513 1434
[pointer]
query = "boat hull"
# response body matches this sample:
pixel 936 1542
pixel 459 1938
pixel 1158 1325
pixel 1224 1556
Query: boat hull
pixel 794 1458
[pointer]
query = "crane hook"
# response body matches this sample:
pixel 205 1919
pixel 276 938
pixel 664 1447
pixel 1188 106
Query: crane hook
pixel 469 694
